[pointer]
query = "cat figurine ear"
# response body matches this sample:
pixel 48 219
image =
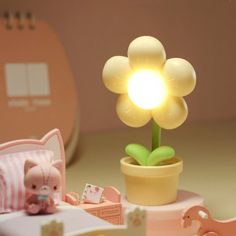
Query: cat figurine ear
pixel 58 164
pixel 29 164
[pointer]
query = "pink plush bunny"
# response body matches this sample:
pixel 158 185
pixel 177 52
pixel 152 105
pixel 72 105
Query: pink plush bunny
pixel 41 182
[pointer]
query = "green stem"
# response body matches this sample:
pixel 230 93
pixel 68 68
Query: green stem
pixel 156 135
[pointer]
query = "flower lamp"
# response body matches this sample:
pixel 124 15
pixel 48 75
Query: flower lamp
pixel 150 87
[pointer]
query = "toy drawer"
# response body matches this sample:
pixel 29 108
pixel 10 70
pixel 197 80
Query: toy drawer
pixel 110 211
pixel 116 220
pixel 93 212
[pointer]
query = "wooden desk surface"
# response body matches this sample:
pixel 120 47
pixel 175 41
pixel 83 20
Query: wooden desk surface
pixel 208 151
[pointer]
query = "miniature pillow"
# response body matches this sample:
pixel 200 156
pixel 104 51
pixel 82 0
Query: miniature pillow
pixel 12 190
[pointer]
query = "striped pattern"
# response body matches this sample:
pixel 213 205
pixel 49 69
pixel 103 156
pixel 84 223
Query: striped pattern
pixel 12 191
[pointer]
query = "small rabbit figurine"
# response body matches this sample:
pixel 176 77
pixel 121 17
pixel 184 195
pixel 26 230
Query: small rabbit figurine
pixel 42 181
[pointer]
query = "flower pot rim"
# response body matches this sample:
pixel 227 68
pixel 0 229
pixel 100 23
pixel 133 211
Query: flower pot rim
pixel 128 168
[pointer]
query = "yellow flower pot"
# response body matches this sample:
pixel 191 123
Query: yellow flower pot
pixel 151 185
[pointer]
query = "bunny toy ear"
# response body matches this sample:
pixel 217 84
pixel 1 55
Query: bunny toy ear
pixel 58 165
pixel 203 215
pixel 29 164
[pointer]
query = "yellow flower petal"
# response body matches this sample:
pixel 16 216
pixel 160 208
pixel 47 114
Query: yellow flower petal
pixel 116 73
pixel 180 76
pixel 146 53
pixel 130 114
pixel 171 114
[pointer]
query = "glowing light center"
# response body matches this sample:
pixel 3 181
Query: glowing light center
pixel 147 89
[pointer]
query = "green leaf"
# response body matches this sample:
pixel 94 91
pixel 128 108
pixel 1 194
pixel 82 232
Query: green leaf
pixel 138 152
pixel 160 154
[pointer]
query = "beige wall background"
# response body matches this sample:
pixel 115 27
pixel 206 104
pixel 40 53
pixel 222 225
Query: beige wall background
pixel 201 31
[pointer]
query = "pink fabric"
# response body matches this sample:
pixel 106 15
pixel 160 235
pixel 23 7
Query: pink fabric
pixel 12 191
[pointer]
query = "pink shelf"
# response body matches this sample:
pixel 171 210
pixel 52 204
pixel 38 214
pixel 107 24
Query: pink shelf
pixel 108 211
